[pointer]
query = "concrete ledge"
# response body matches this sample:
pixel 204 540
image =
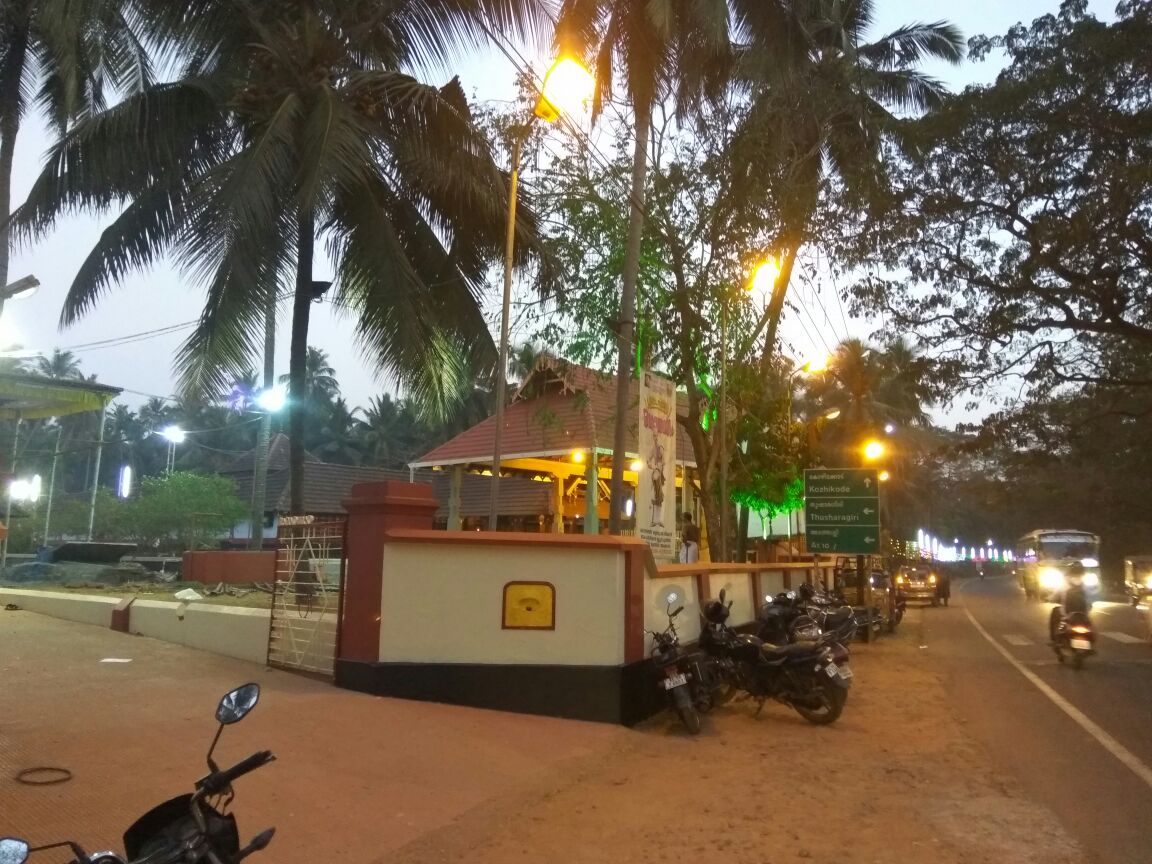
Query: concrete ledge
pixel 81 608
pixel 233 631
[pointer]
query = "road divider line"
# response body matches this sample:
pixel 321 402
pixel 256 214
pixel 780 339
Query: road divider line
pixel 1018 641
pixel 1121 637
pixel 1126 757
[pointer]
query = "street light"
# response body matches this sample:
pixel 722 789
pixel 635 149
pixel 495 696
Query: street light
pixel 272 399
pixel 173 435
pixel 873 450
pixel 19 289
pixel 566 87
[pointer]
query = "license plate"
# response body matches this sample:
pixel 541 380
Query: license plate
pixel 845 672
pixel 1081 645
pixel 674 681
pixel 832 670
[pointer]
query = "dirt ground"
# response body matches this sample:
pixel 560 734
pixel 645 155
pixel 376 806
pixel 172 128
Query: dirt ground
pixel 362 779
pixel 894 778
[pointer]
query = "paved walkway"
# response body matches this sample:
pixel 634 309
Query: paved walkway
pixel 356 776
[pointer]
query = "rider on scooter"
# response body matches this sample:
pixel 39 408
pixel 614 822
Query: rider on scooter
pixel 1074 599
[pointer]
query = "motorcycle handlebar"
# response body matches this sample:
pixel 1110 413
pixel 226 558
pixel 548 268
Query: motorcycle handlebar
pixel 221 780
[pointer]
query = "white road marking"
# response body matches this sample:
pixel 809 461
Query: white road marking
pixel 1013 639
pixel 1129 759
pixel 1121 637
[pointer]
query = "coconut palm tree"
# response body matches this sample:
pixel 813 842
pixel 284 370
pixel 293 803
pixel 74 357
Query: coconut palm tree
pixel 63 56
pixel 662 50
pixel 826 115
pixel 293 123
pixel 61 365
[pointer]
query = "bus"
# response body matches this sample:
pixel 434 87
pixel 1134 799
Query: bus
pixel 1043 558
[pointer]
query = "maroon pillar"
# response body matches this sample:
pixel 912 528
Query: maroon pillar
pixel 374 509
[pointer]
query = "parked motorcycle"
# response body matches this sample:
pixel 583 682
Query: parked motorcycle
pixel 686 679
pixel 802 675
pixel 194 828
pixel 1076 636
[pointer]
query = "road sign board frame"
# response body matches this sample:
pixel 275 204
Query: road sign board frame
pixel 842 510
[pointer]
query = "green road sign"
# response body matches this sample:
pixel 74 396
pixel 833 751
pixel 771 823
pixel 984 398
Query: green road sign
pixel 842 510
pixel 841 483
pixel 848 540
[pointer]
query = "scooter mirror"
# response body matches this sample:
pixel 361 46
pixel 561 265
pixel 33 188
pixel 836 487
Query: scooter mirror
pixel 13 850
pixel 722 595
pixel 235 705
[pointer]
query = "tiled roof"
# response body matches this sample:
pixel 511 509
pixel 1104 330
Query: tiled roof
pixel 326 485
pixel 561 407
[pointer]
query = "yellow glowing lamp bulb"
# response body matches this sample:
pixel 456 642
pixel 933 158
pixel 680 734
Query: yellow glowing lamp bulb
pixel 566 89
pixel 765 276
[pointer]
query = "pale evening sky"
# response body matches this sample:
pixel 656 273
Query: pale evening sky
pixel 161 298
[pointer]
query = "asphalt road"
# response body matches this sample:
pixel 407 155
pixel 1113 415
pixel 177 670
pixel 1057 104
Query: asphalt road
pixel 1096 774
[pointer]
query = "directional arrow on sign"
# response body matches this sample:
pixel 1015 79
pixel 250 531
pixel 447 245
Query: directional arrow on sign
pixel 868 482
pixel 867 511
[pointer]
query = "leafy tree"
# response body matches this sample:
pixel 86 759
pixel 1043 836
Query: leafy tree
pixel 1018 241
pixel 63 55
pixel 288 123
pixel 182 510
pixel 825 116
pixel 662 48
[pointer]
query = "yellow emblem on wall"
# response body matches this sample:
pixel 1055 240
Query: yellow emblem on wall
pixel 529 606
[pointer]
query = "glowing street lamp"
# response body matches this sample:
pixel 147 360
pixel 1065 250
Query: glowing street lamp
pixel 273 399
pixel 18 290
pixel 873 450
pixel 173 435
pixel 565 89
pixel 765 276
pixel 884 476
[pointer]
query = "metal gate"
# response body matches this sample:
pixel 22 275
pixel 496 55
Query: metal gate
pixel 306 595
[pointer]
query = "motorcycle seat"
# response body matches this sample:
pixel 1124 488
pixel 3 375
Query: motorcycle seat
pixel 836 617
pixel 778 651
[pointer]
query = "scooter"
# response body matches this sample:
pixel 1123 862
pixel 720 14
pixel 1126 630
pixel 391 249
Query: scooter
pixel 194 828
pixel 1075 635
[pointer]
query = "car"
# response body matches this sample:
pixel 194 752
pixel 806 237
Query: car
pixel 921 584
pixel 887 605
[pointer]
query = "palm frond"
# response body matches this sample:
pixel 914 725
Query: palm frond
pixel 913 44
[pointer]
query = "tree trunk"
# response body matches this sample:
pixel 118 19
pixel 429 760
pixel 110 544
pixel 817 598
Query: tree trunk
pixel 298 362
pixel 776 306
pixel 260 466
pixel 9 127
pixel 625 332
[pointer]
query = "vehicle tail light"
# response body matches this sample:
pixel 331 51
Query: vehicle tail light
pixel 1080 629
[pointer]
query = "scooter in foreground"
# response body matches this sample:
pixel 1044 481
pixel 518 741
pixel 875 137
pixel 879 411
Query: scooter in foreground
pixel 1074 635
pixel 188 829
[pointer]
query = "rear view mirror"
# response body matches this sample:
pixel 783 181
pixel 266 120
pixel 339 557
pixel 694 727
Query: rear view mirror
pixel 722 595
pixel 13 851
pixel 233 707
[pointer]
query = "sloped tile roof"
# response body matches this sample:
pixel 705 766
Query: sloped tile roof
pixel 561 407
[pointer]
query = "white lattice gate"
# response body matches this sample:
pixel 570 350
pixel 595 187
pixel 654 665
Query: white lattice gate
pixel 307 595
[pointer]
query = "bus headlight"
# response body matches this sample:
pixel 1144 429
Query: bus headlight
pixel 1051 578
pixel 1092 580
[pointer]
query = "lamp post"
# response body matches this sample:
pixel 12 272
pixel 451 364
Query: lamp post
pixel 173 435
pixel 21 288
pixel 567 86
pixel 270 400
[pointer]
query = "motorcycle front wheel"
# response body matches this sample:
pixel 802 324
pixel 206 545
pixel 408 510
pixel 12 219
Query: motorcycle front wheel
pixel 687 712
pixel 831 698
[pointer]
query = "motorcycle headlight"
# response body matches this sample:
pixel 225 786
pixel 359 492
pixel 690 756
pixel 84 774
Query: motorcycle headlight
pixel 1051 578
pixel 1092 580
pixel 1148 581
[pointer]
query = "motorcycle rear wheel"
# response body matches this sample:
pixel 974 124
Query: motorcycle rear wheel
pixel 832 699
pixel 687 712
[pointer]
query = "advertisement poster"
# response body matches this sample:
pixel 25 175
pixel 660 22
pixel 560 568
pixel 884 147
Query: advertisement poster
pixel 656 483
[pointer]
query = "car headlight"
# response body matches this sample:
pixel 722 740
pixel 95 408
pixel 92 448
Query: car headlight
pixel 932 579
pixel 1092 580
pixel 1148 581
pixel 1051 578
